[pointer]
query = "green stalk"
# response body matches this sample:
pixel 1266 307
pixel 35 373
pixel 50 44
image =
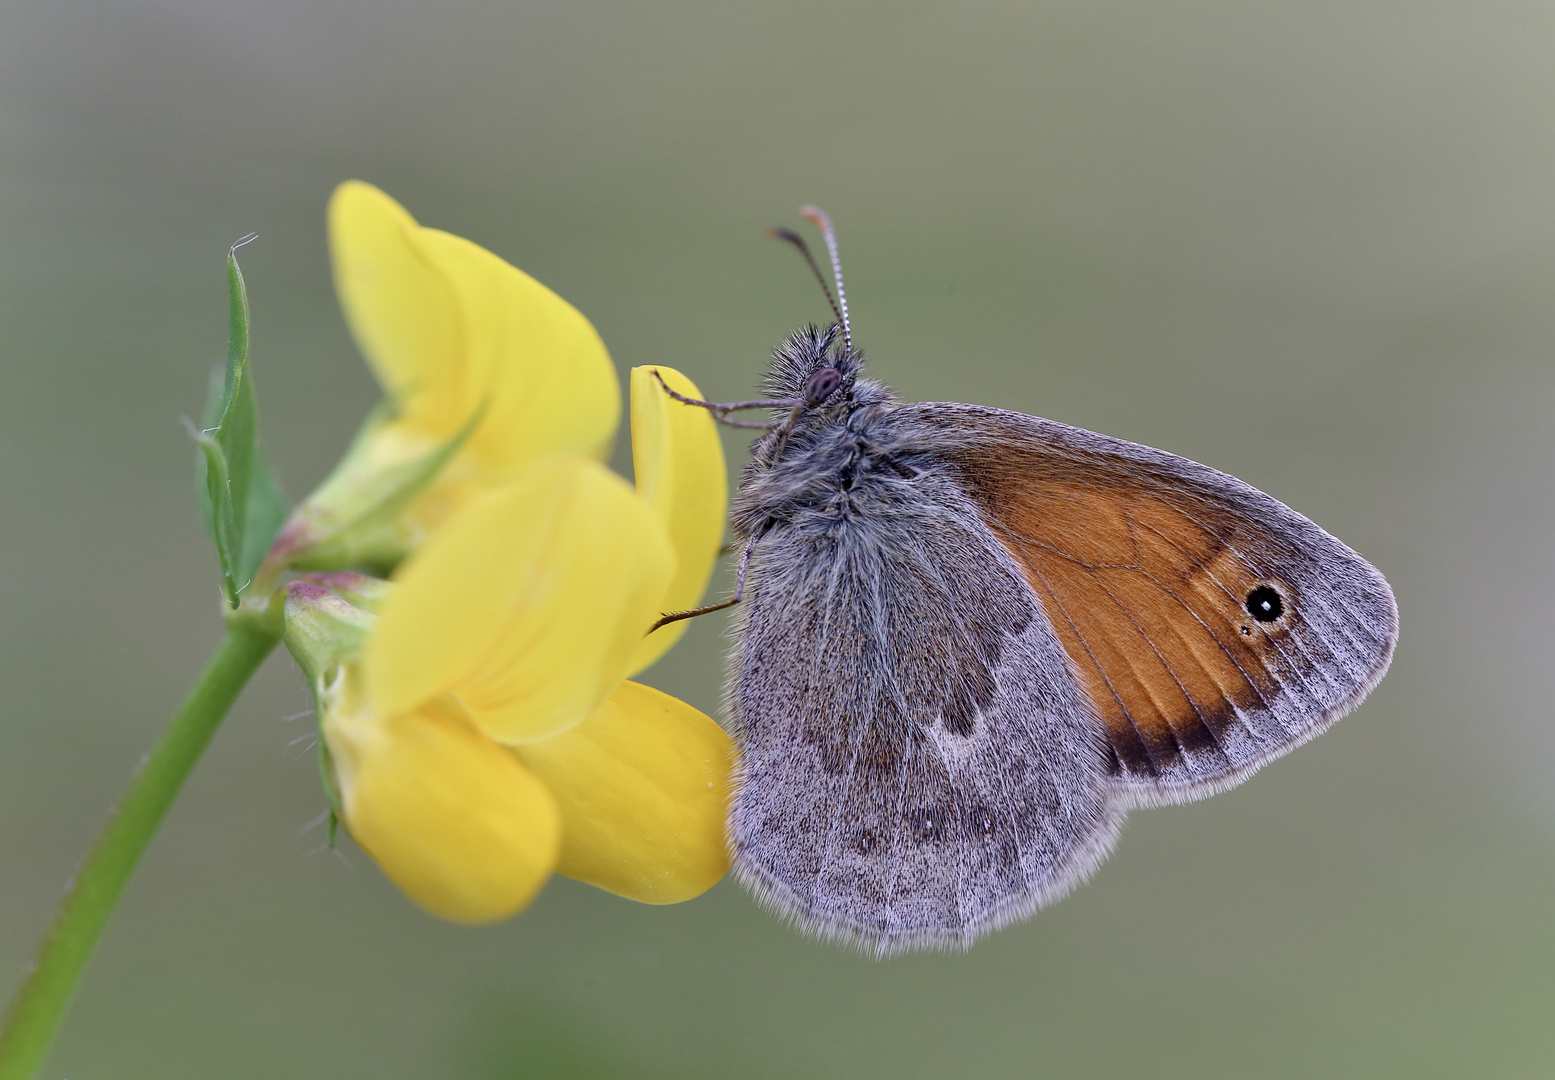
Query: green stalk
pixel 39 1006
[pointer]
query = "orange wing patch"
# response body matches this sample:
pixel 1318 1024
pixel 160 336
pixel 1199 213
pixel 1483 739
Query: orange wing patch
pixel 1147 594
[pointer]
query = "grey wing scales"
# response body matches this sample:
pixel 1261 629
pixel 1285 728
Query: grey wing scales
pixel 918 766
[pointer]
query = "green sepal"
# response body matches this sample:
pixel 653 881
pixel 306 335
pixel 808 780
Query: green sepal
pixel 352 520
pixel 238 497
pixel 331 788
pixel 359 590
pixel 322 632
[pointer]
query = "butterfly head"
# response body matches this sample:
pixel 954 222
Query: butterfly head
pixel 814 366
pixel 820 368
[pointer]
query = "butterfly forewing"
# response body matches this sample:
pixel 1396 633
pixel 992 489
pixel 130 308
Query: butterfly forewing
pixel 1210 627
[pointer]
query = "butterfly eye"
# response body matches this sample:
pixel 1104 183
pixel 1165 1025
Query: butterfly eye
pixel 1264 604
pixel 822 383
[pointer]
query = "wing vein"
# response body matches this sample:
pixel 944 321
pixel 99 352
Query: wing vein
pixel 1230 656
pixel 1203 721
pixel 1143 742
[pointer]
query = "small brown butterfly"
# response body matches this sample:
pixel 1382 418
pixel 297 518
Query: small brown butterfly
pixel 973 640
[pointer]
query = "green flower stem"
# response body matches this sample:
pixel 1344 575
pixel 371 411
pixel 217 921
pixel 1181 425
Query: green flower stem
pixel 39 1006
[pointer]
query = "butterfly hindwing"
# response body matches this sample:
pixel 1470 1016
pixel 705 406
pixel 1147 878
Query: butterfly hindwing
pixel 917 765
pixel 1210 627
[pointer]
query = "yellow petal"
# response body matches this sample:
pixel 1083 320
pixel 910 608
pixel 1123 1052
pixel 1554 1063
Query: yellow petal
pixel 533 359
pixel 452 818
pixel 528 603
pixel 449 328
pixel 679 462
pixel 643 786
pixel 401 309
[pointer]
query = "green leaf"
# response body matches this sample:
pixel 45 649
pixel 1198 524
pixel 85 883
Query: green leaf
pixel 210 416
pixel 238 497
pixel 266 514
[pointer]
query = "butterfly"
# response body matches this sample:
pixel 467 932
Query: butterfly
pixel 969 641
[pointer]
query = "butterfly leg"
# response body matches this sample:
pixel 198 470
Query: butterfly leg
pixel 721 411
pixel 735 598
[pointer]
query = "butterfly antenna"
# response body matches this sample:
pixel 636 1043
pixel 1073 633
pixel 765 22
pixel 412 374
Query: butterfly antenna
pixel 789 236
pixel 817 215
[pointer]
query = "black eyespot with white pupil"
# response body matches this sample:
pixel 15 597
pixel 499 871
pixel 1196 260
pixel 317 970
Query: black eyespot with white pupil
pixel 1265 604
pixel 821 384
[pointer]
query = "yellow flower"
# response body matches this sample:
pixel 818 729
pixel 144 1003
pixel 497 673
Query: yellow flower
pixel 452 818
pixel 485 371
pixel 680 471
pixel 561 571
pixel 479 728
pixel 643 787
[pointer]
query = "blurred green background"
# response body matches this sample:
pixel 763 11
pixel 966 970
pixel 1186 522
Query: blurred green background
pixel 1309 243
